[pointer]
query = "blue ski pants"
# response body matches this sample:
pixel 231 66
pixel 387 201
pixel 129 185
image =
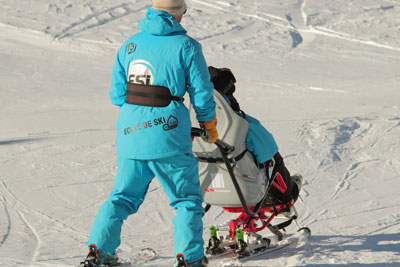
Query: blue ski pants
pixel 179 178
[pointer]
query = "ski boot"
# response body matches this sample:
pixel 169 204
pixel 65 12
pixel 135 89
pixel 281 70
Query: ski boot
pixel 214 243
pixel 298 179
pixel 203 262
pixel 93 259
pixel 241 244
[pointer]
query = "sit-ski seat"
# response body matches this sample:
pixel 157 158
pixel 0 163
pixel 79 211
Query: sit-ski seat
pixel 216 184
pixel 231 179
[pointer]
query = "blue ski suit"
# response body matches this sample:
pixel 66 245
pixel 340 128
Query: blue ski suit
pixel 258 139
pixel 156 141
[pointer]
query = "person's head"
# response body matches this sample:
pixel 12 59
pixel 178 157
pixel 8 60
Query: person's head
pixel 176 8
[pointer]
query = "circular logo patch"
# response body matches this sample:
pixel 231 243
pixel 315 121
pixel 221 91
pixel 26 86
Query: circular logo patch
pixel 141 72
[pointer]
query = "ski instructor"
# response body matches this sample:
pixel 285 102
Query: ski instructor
pixel 152 72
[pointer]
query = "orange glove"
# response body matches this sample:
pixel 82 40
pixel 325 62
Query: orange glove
pixel 211 129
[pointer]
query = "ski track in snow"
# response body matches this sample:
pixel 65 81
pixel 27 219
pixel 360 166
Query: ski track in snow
pixel 348 131
pixel 298 29
pixel 100 18
pixel 8 220
pixel 18 202
pixel 46 135
pixel 35 234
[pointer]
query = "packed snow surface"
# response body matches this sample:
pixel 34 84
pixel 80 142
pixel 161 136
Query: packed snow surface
pixel 323 76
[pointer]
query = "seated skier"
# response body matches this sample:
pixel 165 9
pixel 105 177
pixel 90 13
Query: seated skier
pixel 259 140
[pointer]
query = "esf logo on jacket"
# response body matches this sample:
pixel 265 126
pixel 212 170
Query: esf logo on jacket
pixel 167 125
pixel 141 72
pixel 131 48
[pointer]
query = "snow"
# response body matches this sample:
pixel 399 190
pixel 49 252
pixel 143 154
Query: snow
pixel 323 76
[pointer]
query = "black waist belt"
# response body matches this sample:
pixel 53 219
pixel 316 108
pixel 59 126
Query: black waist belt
pixel 149 95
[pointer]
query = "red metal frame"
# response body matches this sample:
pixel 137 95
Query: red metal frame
pixel 263 216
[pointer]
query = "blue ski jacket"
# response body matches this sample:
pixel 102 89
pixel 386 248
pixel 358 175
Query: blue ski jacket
pixel 161 54
pixel 258 139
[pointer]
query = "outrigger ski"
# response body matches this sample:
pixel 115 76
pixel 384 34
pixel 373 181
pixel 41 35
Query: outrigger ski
pixel 246 245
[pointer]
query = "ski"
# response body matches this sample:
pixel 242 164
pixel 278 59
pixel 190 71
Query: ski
pixel 142 257
pixel 236 257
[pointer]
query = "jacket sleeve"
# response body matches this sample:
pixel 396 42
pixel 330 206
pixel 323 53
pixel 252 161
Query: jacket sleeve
pixel 200 87
pixel 118 79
